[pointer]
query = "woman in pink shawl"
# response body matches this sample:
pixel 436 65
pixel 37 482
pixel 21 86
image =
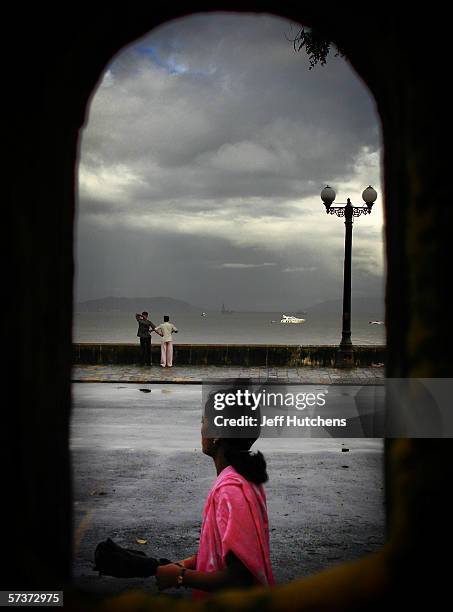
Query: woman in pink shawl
pixel 234 540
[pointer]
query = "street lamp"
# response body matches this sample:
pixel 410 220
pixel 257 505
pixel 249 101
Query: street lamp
pixel 345 353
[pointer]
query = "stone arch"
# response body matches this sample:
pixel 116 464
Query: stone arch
pixel 46 107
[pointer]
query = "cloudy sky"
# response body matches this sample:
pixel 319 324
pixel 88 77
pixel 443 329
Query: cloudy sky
pixel 205 148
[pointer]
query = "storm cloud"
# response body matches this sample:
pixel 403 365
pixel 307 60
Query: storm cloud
pixel 205 149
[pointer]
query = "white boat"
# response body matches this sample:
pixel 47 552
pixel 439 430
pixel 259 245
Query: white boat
pixel 376 322
pixel 203 314
pixel 290 319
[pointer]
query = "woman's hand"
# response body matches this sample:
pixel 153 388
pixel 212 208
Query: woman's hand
pixel 190 562
pixel 167 576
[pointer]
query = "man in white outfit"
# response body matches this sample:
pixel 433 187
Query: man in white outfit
pixel 166 329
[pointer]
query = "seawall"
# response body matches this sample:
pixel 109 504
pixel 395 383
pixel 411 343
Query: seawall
pixel 228 354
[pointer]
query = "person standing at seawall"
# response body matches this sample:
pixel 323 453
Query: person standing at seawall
pixel 166 329
pixel 145 327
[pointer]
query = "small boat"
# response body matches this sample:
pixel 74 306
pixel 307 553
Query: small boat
pixel 376 322
pixel 290 319
pixel 226 310
pixel 203 314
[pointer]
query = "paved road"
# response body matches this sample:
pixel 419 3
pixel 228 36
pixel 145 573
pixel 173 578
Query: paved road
pixel 139 473
pixel 198 374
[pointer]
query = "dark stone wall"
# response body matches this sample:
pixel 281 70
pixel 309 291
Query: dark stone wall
pixel 228 355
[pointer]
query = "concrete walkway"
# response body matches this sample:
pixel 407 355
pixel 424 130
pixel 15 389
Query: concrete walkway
pixel 139 472
pixel 198 374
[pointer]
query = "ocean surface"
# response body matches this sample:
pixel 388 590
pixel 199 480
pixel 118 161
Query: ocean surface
pixel 234 328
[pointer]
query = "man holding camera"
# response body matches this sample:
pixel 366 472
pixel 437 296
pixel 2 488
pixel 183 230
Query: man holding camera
pixel 145 328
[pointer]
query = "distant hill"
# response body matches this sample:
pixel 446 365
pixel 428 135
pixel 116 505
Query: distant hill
pixel 366 305
pixel 123 304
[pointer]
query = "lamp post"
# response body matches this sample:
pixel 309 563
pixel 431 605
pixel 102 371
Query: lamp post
pixel 345 352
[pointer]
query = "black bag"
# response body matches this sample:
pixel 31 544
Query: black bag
pixel 113 560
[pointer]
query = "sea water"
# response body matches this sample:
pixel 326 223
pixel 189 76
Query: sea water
pixel 233 328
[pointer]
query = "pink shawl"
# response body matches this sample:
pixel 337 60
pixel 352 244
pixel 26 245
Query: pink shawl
pixel 235 519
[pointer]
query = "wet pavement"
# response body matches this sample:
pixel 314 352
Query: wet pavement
pixel 139 473
pixel 198 374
